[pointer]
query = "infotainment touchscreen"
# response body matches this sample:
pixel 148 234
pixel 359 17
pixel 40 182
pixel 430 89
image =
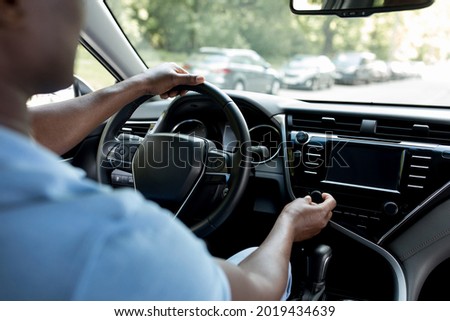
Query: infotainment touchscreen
pixel 366 165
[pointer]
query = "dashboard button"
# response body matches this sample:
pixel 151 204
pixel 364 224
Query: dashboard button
pixel 316 197
pixel 302 137
pixel 390 208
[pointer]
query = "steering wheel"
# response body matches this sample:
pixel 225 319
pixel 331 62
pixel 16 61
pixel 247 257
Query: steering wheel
pixel 171 168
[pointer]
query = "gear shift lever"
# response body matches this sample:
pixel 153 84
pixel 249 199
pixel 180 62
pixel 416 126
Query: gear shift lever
pixel 316 268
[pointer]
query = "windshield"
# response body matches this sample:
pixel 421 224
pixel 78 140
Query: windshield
pixel 395 58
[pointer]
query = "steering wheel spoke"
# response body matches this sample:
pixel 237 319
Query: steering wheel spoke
pixel 219 162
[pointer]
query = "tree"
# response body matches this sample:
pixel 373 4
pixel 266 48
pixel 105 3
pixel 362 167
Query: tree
pixel 266 26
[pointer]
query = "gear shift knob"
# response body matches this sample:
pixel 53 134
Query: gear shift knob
pixel 317 260
pixel 317 263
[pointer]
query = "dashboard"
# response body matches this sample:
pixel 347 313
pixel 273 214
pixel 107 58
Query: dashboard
pixel 265 138
pixel 380 163
pixel 387 166
pixel 377 182
pixel 203 119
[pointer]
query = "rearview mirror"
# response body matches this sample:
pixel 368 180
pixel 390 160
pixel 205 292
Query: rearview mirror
pixel 354 8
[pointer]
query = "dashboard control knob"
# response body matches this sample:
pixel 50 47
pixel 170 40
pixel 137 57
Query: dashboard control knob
pixel 390 208
pixel 316 196
pixel 302 137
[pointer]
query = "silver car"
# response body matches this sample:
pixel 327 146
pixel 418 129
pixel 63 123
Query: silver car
pixel 309 72
pixel 239 69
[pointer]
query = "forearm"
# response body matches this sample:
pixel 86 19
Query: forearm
pixel 263 274
pixel 60 126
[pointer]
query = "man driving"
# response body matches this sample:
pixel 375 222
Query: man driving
pixel 64 237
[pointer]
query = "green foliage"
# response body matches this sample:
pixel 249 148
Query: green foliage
pixel 266 26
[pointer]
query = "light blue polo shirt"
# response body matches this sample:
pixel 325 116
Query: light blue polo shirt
pixel 64 237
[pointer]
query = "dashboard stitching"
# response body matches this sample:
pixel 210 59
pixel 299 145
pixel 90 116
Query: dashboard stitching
pixel 425 244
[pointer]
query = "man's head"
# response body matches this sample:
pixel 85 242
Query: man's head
pixel 38 40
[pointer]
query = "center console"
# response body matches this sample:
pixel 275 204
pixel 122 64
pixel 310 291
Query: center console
pixel 376 183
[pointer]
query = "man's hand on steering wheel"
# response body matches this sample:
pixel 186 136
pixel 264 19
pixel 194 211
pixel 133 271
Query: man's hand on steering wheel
pixel 162 80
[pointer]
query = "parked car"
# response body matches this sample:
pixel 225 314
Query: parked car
pixel 381 71
pixel 405 69
pixel 239 69
pixel 382 151
pixel 353 68
pixel 308 72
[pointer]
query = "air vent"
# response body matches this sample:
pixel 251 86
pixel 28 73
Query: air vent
pixel 139 128
pixel 419 169
pixel 313 159
pixel 343 125
pixel 385 129
pixel 413 131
